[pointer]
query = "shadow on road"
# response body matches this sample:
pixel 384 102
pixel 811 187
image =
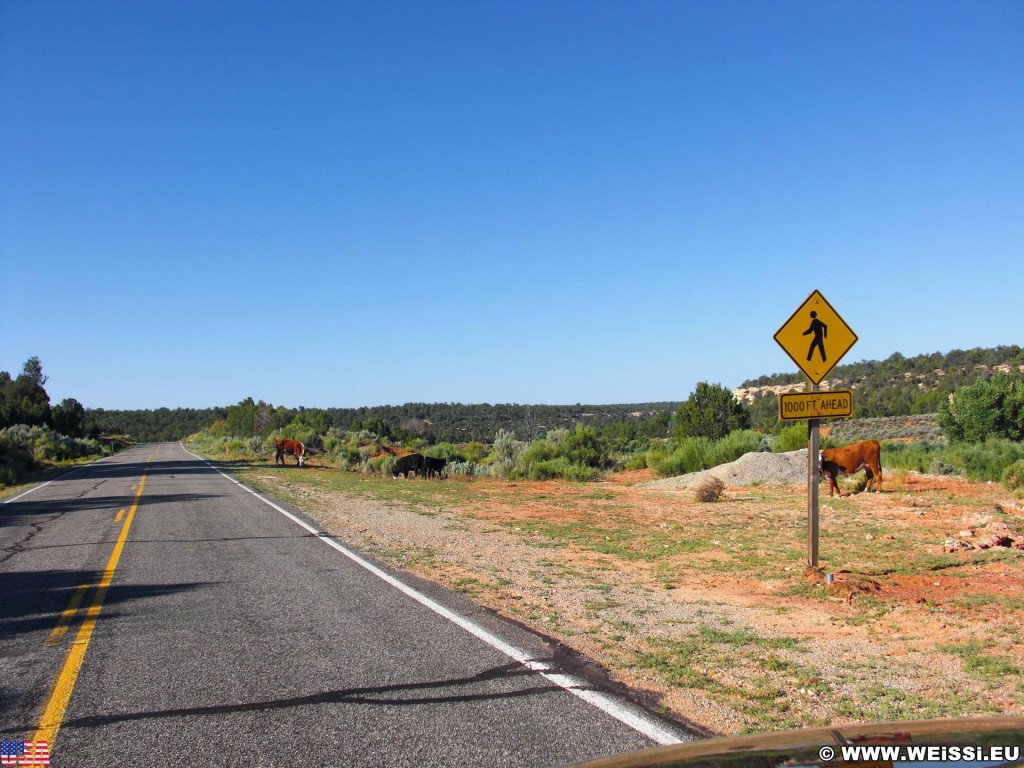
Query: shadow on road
pixel 458 690
pixel 32 600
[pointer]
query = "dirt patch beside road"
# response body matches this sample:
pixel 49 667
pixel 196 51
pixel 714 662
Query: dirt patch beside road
pixel 706 609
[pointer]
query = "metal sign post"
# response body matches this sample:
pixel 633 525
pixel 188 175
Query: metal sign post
pixel 815 337
pixel 813 474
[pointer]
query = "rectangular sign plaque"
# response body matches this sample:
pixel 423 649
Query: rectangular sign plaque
pixel 836 404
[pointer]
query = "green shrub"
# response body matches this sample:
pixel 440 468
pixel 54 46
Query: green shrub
pixel 537 451
pixel 24 448
pixel 474 452
pixel 690 455
pixel 919 456
pixel 791 438
pixel 381 465
pixel 445 451
pixel 1013 475
pixel 584 446
pixel 633 462
pixel 711 412
pixel 696 453
pixel 15 460
pixel 579 455
pixel 985 409
pixel 732 446
pixel 561 468
pixel 986 460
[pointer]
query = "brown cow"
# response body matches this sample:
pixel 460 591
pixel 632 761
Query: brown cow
pixel 850 459
pixel 290 448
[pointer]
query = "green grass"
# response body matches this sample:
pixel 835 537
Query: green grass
pixel 886 703
pixel 984 664
pixel 968 602
pixel 700 662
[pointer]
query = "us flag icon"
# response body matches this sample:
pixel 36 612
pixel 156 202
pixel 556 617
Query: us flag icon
pixel 10 751
pixel 17 753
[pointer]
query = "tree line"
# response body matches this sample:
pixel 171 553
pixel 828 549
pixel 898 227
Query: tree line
pixel 23 400
pixel 896 386
pixel 536 441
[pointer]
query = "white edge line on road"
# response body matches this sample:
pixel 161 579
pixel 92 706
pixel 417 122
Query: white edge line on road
pixel 606 703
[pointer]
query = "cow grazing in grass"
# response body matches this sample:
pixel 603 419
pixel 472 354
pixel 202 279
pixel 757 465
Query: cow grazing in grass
pixel 850 459
pixel 434 466
pixel 294 448
pixel 406 464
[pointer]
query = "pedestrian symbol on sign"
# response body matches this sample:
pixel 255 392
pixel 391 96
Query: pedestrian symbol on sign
pixel 804 335
pixel 820 331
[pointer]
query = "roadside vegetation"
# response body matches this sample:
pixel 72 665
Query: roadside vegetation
pixel 975 429
pixel 977 434
pixel 36 437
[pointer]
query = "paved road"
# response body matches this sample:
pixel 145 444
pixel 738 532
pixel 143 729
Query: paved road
pixel 215 628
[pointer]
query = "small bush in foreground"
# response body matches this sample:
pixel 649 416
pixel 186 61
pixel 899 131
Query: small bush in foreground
pixel 708 489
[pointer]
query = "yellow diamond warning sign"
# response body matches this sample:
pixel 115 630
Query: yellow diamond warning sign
pixel 815 337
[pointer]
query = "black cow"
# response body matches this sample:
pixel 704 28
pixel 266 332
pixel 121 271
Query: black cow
pixel 434 466
pixel 406 464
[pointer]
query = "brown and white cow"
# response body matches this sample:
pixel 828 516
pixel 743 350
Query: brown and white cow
pixel 850 459
pixel 289 448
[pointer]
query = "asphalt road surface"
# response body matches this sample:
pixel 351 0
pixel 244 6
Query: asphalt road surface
pixel 155 612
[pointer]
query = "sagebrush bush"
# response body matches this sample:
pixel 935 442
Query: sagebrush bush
pixel 977 461
pixel 15 461
pixel 227 445
pixel 923 426
pixel 379 465
pixel 917 456
pixel 462 468
pixel 987 460
pixel 23 448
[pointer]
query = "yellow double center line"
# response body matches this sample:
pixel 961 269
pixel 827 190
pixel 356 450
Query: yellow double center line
pixel 57 704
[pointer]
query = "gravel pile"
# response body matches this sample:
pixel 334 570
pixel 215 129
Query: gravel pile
pixel 749 469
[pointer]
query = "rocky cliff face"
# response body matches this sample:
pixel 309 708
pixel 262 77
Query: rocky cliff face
pixel 924 381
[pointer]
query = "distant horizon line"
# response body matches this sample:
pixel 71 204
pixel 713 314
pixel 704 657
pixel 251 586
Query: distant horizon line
pixel 397 405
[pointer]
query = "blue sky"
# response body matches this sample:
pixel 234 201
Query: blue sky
pixel 362 203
